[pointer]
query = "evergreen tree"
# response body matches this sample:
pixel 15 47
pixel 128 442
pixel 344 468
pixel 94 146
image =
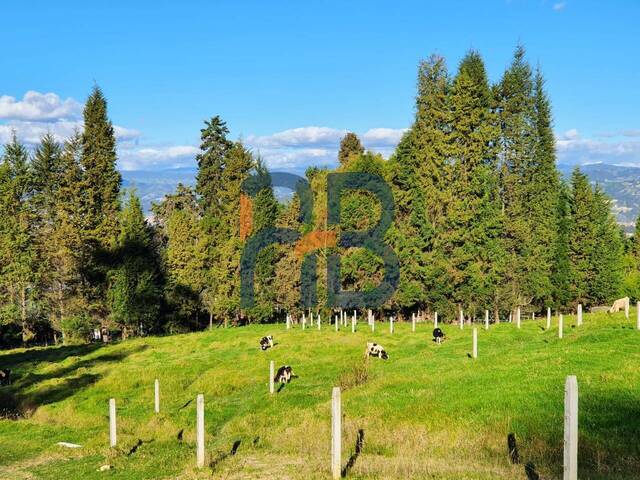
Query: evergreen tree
pixel 134 290
pixel 214 146
pixel 418 174
pixel 18 255
pixel 472 240
pixel 101 180
pixel 67 249
pixel 526 164
pixel 349 146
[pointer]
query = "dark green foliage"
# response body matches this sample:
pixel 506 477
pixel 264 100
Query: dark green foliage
pixel 350 146
pixel 134 288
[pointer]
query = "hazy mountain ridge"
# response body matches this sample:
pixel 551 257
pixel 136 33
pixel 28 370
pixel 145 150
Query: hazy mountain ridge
pixel 621 183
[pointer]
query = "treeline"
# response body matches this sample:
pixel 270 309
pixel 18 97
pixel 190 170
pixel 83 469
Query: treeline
pixel 483 221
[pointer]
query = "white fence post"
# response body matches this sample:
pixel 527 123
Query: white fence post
pixel 336 433
pixel 475 342
pixel 319 322
pixel 373 323
pixel 435 320
pixel 336 321
pixel 518 317
pixel 288 321
pixel 390 324
pixel 626 309
pixel 200 431
pixel 560 326
pixel 579 314
pixel 413 322
pixel 304 321
pixel 571 428
pixel 461 319
pixel 156 391
pixel 113 439
pixel 486 319
pixel 548 318
pixel 272 373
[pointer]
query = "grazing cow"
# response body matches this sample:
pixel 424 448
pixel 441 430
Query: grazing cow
pixel 620 304
pixel 438 335
pixel 266 342
pixel 285 374
pixel 5 377
pixel 375 350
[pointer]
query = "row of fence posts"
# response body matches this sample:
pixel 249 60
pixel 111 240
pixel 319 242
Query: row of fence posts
pixel 570 403
pixel 414 318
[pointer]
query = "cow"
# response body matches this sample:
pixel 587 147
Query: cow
pixel 375 350
pixel 266 342
pixel 438 335
pixel 620 304
pixel 5 377
pixel 284 375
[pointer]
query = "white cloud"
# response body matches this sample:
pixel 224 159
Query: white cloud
pixel 298 148
pixel 559 6
pixel 575 150
pixel 148 158
pixel 36 106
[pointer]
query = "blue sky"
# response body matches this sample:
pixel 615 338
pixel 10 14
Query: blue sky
pixel 290 77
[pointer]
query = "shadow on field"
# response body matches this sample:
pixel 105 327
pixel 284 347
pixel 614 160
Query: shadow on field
pixel 609 428
pixel 222 456
pixel 26 394
pixel 358 449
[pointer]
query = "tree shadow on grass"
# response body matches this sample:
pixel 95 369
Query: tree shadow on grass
pixel 608 429
pixel 26 395
pixel 356 453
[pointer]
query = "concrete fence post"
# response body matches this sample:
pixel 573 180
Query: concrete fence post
pixel 475 342
pixel 390 324
pixel 304 322
pixel 200 431
pixel 336 434
pixel 560 325
pixel 319 322
pixel 113 438
pixel 435 320
pixel 571 428
pixel 288 321
pixel 486 319
pixel 413 322
pixel 548 318
pixel 272 373
pixel 461 319
pixel 518 317
pixel 156 396
pixel 579 314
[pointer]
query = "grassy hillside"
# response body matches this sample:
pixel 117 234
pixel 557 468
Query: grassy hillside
pixel 428 412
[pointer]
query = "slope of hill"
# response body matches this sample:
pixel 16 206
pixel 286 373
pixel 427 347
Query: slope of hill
pixel 427 412
pixel 622 184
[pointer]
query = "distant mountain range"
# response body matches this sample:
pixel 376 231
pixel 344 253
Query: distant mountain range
pixel 622 184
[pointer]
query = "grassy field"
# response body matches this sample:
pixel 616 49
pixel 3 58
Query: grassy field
pixel 427 412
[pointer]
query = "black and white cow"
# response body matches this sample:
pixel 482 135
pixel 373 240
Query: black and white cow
pixel 438 335
pixel 266 342
pixel 5 377
pixel 375 350
pixel 284 374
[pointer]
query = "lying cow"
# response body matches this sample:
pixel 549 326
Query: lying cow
pixel 5 377
pixel 620 304
pixel 438 335
pixel 285 374
pixel 266 342
pixel 375 350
